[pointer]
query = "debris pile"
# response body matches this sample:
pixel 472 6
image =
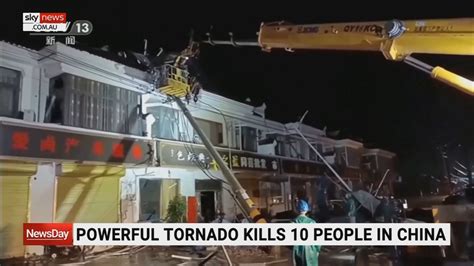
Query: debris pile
pixel 246 251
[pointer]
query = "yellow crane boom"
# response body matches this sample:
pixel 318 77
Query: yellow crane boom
pixel 396 39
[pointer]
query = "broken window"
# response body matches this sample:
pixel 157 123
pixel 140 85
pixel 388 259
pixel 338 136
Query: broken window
pixel 282 147
pixel 369 162
pixel 9 92
pixel 353 157
pixel 341 156
pixel 249 138
pixel 80 102
pixel 304 150
pixel 294 147
pixel 167 123
pixel 235 137
pixel 271 193
pixel 213 130
pixel 312 154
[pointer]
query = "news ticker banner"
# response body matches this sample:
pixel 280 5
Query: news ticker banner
pixel 232 234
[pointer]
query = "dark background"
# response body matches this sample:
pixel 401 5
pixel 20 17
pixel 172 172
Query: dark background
pixel 385 104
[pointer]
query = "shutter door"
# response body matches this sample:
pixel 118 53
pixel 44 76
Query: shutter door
pixel 14 192
pixel 88 193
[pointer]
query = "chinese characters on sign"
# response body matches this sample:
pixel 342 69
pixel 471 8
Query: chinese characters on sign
pixel 21 141
pixel 48 144
pixel 71 143
pixel 193 155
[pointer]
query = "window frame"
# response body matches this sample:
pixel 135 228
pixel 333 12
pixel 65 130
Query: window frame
pixel 242 138
pixel 17 94
pixel 220 135
pixel 96 105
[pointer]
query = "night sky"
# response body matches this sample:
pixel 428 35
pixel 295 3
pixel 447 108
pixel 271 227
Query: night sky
pixel 386 104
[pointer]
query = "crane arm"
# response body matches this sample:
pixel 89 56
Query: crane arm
pixel 397 40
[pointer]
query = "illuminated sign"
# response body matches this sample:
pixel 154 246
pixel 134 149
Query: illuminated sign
pixel 22 141
pixel 191 155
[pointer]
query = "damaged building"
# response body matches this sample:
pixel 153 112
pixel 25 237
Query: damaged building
pixel 84 139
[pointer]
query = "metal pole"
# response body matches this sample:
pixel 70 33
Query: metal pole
pixel 236 43
pixel 226 256
pixel 418 64
pixel 234 183
pixel 468 155
pixel 381 182
pixel 324 161
pixel 444 158
pixel 50 107
pixel 239 205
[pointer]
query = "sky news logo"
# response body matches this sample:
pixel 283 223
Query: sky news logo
pixel 45 22
pixel 48 234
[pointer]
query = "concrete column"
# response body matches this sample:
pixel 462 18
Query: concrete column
pixel 42 198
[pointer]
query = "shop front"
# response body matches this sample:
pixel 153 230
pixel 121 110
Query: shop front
pixel 274 183
pixel 146 192
pixel 51 173
pixel 209 199
pixel 201 177
pixel 14 190
pixel 88 194
pixel 304 178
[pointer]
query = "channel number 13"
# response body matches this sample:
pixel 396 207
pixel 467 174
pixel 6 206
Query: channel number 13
pixel 82 27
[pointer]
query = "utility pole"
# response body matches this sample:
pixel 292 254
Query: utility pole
pixel 239 191
pixel 444 158
pixel 344 184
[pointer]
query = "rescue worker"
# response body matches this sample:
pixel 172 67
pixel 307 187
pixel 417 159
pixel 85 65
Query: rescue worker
pixel 351 207
pixel 305 255
pixel 322 200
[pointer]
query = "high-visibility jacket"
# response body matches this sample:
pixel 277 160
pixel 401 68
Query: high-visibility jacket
pixel 305 255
